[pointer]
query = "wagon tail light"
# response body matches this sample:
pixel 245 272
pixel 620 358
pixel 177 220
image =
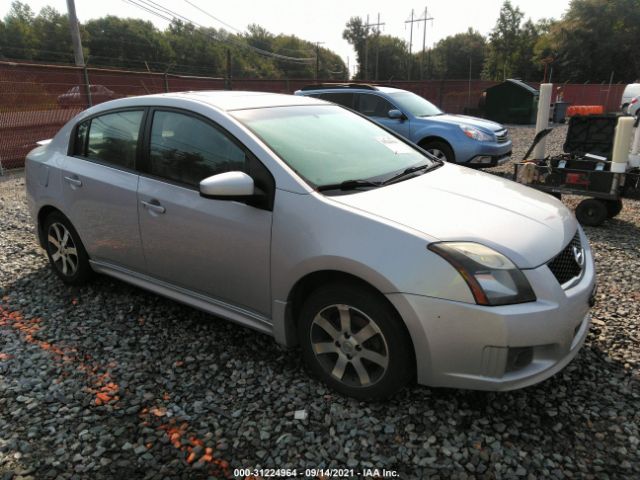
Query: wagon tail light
pixel 492 278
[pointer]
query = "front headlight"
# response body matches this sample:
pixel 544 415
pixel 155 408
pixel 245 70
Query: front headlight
pixel 492 277
pixel 476 134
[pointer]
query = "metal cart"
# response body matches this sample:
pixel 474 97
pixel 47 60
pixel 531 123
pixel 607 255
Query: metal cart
pixel 583 169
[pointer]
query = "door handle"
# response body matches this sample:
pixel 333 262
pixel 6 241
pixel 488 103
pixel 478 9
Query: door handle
pixel 153 206
pixel 74 181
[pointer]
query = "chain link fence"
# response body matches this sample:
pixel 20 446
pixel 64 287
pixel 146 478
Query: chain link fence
pixel 36 100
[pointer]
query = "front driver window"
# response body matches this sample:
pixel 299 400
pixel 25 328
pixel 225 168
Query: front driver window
pixel 187 150
pixel 373 105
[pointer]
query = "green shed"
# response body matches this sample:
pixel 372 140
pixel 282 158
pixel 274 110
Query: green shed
pixel 511 101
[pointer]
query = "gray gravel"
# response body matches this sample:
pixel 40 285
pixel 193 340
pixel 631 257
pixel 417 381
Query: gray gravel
pixel 110 381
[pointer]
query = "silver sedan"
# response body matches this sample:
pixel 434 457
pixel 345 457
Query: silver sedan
pixel 310 223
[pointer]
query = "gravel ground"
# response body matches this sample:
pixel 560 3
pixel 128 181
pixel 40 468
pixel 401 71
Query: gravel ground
pixel 109 380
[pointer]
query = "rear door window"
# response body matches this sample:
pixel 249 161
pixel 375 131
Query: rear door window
pixel 111 138
pixel 344 99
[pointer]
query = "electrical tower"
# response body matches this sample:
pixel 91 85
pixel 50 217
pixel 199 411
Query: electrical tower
pixel 366 47
pixel 318 59
pixel 411 21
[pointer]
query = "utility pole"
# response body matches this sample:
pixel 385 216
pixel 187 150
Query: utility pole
pixel 318 59
pixel 77 48
pixel 75 33
pixel 229 85
pixel 366 50
pixel 410 22
pixel 376 26
pixel 424 39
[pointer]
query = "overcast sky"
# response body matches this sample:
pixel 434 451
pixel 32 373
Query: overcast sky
pixel 323 21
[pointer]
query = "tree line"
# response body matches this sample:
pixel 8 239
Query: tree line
pixel 181 48
pixel 593 41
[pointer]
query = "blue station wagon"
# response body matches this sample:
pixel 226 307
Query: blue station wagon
pixel 462 139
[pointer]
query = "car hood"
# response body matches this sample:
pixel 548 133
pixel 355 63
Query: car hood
pixel 466 120
pixel 459 204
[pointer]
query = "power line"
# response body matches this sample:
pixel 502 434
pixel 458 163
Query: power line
pixel 132 2
pixel 215 18
pixel 153 7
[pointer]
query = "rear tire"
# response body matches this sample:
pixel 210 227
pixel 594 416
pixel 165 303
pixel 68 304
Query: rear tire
pixel 440 150
pixel 591 212
pixel 67 256
pixel 354 341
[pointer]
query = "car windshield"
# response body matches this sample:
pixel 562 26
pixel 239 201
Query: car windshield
pixel 327 144
pixel 415 104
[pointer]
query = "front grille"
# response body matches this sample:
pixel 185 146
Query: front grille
pixel 502 136
pixel 564 265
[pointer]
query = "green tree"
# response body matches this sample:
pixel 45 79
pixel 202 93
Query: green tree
pixel 596 38
pixel 456 56
pixel 392 57
pixel 19 40
pixel 525 64
pixel 125 42
pixel 504 43
pixel 52 38
pixel 194 51
pixel 357 34
pixel 390 54
pixel 180 48
pixel 516 48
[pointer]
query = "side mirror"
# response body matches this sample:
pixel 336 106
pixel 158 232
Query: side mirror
pixel 227 185
pixel 396 114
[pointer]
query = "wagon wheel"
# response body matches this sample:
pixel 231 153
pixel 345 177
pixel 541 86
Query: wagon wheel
pixel 591 212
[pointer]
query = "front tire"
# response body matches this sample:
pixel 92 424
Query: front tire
pixel 440 150
pixel 354 341
pixel 67 256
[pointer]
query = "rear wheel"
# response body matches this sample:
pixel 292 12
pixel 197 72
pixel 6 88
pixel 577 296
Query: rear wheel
pixel 67 255
pixel 614 207
pixel 353 340
pixel 439 149
pixel 591 212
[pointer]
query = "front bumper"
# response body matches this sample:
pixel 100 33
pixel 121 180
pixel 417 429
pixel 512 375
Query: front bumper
pixel 470 346
pixel 472 153
pixel 484 161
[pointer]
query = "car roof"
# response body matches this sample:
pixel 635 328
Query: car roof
pixel 351 87
pixel 229 100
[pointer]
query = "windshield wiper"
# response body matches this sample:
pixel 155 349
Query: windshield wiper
pixel 349 185
pixel 411 171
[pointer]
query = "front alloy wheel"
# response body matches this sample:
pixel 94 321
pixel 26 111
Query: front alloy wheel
pixel 349 345
pixel 439 149
pixel 354 341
